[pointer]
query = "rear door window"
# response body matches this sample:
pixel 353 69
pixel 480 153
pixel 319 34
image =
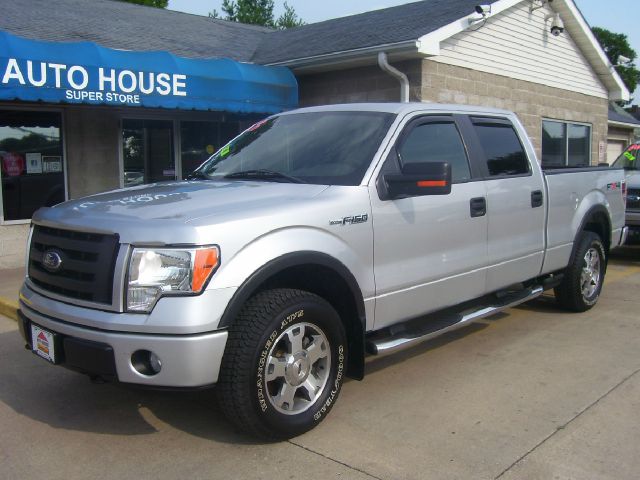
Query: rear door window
pixel 504 154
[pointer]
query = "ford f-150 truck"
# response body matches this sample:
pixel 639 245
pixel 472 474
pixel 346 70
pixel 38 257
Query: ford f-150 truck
pixel 312 239
pixel 630 162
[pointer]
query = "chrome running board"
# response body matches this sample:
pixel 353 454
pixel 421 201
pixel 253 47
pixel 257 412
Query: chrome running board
pixel 399 338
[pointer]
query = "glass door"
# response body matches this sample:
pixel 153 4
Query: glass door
pixel 147 151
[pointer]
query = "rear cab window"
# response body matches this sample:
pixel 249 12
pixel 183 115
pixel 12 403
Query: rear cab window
pixel 503 151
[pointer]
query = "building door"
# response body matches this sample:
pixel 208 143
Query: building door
pixel 615 148
pixel 147 151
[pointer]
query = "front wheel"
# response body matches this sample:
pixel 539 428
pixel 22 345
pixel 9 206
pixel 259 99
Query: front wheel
pixel 584 276
pixel 283 365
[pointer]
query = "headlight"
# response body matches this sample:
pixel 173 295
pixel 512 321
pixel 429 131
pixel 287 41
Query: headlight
pixel 154 272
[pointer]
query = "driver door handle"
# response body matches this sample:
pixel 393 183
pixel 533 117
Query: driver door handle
pixel 478 207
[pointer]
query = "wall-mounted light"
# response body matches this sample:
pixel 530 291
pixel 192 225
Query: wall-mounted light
pixel 483 10
pixel 557 25
pixel 623 61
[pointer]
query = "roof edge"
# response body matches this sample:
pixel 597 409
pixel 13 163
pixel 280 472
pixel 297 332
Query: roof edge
pixel 429 45
pixel 615 123
pixel 430 42
pixel 596 57
pixel 325 59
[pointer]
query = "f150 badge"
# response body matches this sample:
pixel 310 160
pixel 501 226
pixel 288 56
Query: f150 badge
pixel 351 220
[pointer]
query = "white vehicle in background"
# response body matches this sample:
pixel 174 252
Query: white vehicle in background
pixel 311 239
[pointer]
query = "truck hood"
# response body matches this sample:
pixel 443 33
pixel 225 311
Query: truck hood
pixel 175 205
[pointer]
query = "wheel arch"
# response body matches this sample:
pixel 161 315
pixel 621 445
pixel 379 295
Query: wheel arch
pixel 598 221
pixel 317 273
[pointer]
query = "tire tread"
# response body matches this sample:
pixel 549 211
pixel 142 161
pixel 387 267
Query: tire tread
pixel 567 295
pixel 237 362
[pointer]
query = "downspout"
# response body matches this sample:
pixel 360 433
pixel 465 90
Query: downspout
pixel 383 62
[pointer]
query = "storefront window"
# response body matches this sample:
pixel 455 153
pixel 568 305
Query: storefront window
pixel 147 150
pixel 31 158
pixel 565 144
pixel 198 141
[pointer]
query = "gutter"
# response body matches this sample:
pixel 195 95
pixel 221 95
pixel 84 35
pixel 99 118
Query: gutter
pixel 409 46
pixel 383 62
pixel 623 124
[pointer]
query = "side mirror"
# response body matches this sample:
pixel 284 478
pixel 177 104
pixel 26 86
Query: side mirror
pixel 418 179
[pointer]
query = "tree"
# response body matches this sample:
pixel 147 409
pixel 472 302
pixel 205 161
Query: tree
pixel 616 45
pixel 150 3
pixel 289 19
pixel 258 12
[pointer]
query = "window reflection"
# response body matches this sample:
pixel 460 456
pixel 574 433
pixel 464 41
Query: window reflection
pixel 565 144
pixel 31 162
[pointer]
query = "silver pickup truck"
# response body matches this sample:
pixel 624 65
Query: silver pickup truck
pixel 312 239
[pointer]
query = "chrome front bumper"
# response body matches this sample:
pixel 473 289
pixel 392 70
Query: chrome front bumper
pixel 188 360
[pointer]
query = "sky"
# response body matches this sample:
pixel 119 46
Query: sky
pixel 616 15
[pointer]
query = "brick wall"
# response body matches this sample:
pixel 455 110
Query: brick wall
pixel 441 83
pixel 532 102
pixel 362 84
pixel 92 150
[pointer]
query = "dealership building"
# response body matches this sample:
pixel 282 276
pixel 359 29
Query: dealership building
pixel 102 94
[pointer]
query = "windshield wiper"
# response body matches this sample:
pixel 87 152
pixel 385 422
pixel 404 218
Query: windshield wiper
pixel 265 175
pixel 198 176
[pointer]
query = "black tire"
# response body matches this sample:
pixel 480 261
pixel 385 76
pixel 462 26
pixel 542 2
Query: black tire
pixel 578 293
pixel 260 338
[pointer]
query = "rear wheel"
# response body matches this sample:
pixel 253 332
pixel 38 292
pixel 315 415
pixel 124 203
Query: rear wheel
pixel 584 276
pixel 283 365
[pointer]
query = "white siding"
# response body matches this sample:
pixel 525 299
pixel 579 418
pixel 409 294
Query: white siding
pixel 518 44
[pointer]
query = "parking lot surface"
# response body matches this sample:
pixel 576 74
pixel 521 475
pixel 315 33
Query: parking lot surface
pixel 532 393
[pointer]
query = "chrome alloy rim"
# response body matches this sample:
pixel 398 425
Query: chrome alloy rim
pixel 297 369
pixel 590 278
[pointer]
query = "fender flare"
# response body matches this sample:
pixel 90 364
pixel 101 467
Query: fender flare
pixel 283 262
pixel 596 209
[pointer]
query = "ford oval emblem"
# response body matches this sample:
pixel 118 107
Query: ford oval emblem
pixel 52 260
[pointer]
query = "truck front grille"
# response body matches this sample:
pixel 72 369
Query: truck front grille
pixel 633 199
pixel 86 263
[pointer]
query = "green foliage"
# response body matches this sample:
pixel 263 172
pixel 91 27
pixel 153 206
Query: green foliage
pixel 616 45
pixel 289 19
pixel 258 12
pixel 150 3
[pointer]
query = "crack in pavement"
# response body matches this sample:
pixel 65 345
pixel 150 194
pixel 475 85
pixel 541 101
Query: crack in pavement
pixel 334 460
pixel 563 426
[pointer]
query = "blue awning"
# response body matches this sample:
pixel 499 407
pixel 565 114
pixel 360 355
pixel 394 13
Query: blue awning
pixel 87 73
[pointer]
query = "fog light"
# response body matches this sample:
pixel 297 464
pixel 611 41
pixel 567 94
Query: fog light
pixel 146 362
pixel 155 363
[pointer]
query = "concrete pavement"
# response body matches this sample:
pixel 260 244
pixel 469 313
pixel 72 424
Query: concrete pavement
pixel 532 393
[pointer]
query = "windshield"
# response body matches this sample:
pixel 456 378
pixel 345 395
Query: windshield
pixel 326 148
pixel 628 159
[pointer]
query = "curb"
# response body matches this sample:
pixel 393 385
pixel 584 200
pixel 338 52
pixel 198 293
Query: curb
pixel 9 308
